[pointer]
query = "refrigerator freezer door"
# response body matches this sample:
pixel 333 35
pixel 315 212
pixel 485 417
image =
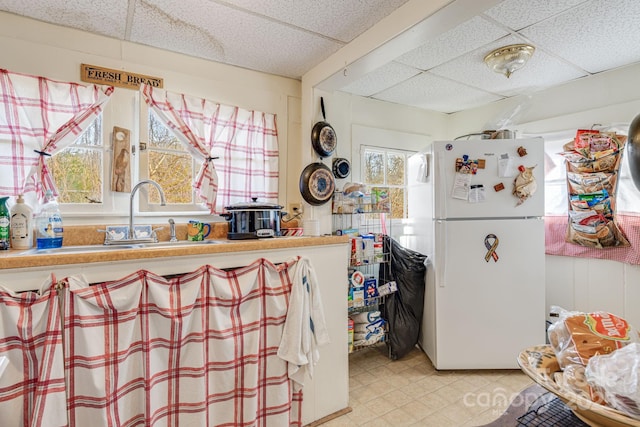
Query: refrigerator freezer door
pixel 418 227
pixel 496 204
pixel 489 288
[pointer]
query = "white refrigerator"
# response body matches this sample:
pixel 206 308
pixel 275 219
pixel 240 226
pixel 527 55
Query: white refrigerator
pixel 485 285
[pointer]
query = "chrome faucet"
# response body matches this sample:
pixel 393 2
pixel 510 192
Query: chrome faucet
pixel 172 230
pixel 163 201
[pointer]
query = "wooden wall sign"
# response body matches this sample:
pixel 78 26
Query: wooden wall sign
pixel 121 171
pixel 119 78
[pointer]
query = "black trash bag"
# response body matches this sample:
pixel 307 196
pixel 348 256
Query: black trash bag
pixel 403 309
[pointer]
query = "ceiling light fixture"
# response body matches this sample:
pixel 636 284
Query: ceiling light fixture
pixel 507 59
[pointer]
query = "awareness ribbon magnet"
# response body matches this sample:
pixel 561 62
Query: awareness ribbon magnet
pixel 491 247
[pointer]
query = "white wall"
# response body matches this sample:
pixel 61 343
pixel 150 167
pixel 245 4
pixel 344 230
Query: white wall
pixel 607 98
pixel 37 48
pixel 345 111
pixel 33 47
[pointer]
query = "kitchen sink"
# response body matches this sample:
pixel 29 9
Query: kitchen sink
pixel 76 249
pixel 180 243
pixel 107 248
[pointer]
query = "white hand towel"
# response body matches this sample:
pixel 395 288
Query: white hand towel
pixel 305 328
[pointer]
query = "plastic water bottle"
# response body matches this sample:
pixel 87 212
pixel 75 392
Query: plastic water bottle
pixel 49 224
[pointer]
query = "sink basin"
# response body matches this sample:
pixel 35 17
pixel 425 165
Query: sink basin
pixel 105 248
pixel 180 243
pixel 76 249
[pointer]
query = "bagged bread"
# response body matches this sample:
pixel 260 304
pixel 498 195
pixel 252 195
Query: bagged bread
pixel 576 337
pixel 574 378
pixel 617 377
pixel 603 236
pixel 584 183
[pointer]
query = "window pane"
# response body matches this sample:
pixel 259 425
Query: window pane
pixel 397 202
pixel 161 136
pixel 78 175
pixel 92 136
pixel 395 169
pixel 77 170
pixel 373 167
pixel 173 172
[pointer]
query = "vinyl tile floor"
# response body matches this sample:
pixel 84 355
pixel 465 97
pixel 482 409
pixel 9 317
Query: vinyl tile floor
pixel 411 392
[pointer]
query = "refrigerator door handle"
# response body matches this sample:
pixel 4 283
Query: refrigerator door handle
pixel 440 181
pixel 441 237
pixel 427 165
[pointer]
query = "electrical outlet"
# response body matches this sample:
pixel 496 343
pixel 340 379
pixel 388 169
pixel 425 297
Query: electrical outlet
pixel 295 209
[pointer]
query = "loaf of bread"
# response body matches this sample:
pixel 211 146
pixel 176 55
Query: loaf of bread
pixel 576 337
pixel 573 378
pixel 616 377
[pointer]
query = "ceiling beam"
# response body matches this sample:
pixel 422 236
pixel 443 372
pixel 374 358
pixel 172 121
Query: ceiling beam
pixel 407 28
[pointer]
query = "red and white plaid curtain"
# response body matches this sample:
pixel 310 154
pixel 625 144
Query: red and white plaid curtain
pixel 209 348
pixel 238 148
pixel 32 383
pixel 38 118
pixel 196 350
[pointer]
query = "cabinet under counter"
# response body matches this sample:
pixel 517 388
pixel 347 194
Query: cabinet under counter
pixel 325 394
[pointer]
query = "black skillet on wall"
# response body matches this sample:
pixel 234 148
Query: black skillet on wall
pixel 323 137
pixel 341 167
pixel 317 184
pixel 633 150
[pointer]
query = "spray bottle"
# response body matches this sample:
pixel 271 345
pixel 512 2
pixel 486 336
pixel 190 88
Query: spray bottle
pixel 49 224
pixel 5 220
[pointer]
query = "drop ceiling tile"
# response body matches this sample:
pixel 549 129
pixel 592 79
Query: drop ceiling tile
pixel 518 14
pixel 384 77
pixel 340 20
pixel 107 18
pixel 209 30
pixel 595 36
pixel 459 40
pixel 540 72
pixel 435 93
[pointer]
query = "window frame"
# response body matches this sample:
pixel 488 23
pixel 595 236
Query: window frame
pixel 107 203
pixel 142 163
pixel 625 182
pixel 116 203
pixel 364 148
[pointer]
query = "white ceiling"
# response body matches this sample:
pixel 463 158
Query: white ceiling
pixel 443 72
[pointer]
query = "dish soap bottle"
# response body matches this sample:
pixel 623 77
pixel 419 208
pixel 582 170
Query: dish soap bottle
pixel 4 224
pixel 49 224
pixel 21 225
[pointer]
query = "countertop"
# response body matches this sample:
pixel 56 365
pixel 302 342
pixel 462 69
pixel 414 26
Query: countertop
pixel 16 258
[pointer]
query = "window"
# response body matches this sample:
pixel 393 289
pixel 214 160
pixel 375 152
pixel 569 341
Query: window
pixel 555 180
pixel 556 201
pixel 81 169
pixel 387 168
pixel 236 149
pixel 170 165
pixel 78 169
pixel 166 161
